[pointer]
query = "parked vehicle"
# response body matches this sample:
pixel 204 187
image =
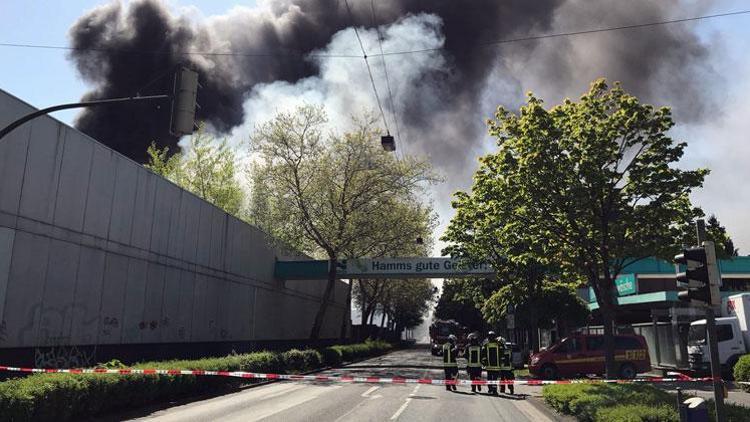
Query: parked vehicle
pixel 439 332
pixel 584 354
pixel 732 334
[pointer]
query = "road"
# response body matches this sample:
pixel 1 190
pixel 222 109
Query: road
pixel 307 401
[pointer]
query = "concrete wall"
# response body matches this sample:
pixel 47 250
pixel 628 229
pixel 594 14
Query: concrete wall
pixel 97 250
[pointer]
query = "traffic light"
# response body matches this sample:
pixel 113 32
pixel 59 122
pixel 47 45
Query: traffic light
pixel 184 102
pixel 388 143
pixel 700 278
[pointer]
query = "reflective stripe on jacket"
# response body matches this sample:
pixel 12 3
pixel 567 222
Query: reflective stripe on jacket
pixel 473 354
pixel 492 353
pixel 449 355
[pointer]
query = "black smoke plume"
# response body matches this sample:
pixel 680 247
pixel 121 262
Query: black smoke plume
pixel 122 49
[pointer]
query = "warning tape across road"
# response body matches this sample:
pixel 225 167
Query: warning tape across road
pixel 350 379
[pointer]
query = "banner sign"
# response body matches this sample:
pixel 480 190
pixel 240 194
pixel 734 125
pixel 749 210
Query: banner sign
pixel 626 284
pixel 411 267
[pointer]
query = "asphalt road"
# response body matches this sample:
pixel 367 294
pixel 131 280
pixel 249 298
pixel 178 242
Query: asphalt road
pixel 308 401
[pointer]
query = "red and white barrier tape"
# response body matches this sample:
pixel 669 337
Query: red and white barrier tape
pixel 328 378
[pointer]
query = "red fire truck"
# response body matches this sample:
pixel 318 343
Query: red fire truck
pixel 439 332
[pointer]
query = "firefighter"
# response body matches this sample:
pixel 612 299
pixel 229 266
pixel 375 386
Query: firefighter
pixel 474 362
pixel 450 353
pixel 506 365
pixel 491 361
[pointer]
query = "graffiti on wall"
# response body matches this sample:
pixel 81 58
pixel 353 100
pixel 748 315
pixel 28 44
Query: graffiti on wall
pixel 65 356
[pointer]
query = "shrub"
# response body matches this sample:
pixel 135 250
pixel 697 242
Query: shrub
pixel 63 397
pixel 637 413
pixel 331 356
pixel 313 359
pixel 294 360
pixel 585 400
pixel 742 372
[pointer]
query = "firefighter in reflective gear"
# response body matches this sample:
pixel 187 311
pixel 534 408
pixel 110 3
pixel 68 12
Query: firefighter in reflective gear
pixel 474 360
pixel 506 365
pixel 491 361
pixel 450 353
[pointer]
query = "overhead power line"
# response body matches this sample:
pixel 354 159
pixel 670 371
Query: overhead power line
pixel 369 70
pixel 385 71
pixel 293 53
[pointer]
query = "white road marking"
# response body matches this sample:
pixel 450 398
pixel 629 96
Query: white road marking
pixel 406 403
pixel 401 409
pixel 367 393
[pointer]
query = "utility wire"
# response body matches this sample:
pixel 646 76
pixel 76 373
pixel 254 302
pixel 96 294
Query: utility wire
pixel 293 53
pixel 385 71
pixel 582 32
pixel 367 63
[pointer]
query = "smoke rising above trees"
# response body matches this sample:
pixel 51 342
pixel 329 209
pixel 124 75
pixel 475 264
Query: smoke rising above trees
pixel 119 49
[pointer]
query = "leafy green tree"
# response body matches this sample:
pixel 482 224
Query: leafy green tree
pixel 591 183
pixel 325 194
pixel 715 232
pixel 454 303
pixel 207 169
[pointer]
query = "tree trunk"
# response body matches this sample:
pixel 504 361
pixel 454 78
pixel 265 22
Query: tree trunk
pixel 365 308
pixel 347 311
pixel 610 366
pixel 320 315
pixel 533 330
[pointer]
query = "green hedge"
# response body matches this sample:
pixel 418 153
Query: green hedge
pixel 622 403
pixel 742 372
pixel 63 397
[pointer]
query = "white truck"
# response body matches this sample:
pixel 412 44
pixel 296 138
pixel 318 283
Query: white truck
pixel 732 333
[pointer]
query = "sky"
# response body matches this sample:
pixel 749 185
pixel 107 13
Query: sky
pixel 44 77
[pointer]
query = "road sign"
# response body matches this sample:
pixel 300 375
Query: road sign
pixel 411 267
pixel 626 284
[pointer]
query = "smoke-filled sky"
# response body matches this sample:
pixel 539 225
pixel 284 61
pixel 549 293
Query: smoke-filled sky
pixel 441 98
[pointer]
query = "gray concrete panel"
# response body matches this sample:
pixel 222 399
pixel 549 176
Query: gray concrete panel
pixel 218 237
pixel 23 302
pixel 190 211
pixel 237 318
pixel 12 164
pixel 268 322
pixel 85 321
pixel 143 211
pixel 213 293
pixel 59 290
pixel 233 246
pixel 133 323
pixel 167 195
pixel 123 201
pixel 101 191
pixel 204 234
pixel 184 323
pixel 152 314
pixel 245 253
pixel 6 253
pixel 39 192
pixel 177 226
pixel 73 183
pixel 113 294
pixel 200 329
pixel 170 312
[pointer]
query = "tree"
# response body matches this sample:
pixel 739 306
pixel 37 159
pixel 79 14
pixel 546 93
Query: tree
pixel 207 169
pixel 593 183
pixel 326 194
pixel 715 232
pixel 455 304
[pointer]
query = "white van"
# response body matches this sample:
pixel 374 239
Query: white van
pixel 732 334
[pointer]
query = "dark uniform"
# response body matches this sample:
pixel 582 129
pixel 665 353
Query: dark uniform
pixel 506 367
pixel 491 352
pixel 474 364
pixel 450 352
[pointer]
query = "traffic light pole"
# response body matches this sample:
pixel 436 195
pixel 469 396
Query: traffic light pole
pixel 7 129
pixel 713 347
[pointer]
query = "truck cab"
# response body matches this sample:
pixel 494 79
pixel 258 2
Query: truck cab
pixel 732 335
